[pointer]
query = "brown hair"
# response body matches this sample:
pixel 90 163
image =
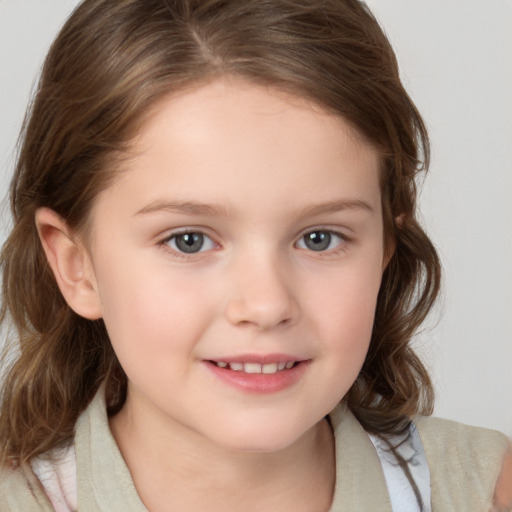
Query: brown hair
pixel 110 63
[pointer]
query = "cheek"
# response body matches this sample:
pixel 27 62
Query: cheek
pixel 153 309
pixel 345 309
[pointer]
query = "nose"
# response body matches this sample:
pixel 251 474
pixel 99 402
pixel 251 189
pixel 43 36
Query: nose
pixel 262 295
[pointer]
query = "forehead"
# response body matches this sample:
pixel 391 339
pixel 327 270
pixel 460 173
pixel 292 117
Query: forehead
pixel 231 141
pixel 229 102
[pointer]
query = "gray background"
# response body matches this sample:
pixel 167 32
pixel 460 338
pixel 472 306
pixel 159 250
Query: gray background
pixel 456 61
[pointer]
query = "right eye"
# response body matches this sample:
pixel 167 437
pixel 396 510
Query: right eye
pixel 190 242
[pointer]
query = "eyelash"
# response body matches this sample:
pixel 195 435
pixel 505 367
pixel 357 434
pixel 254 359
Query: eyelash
pixel 176 252
pixel 342 240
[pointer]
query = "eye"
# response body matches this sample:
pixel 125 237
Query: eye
pixel 320 240
pixel 190 242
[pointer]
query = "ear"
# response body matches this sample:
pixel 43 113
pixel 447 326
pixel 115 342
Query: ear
pixel 70 263
pixel 389 250
pixel 390 245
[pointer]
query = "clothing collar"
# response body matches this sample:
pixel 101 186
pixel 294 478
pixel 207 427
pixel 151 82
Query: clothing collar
pixel 105 484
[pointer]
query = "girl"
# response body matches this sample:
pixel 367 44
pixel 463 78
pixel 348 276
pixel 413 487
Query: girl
pixel 215 271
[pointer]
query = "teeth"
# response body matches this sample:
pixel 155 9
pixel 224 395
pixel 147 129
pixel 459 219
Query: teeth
pixel 267 369
pixel 252 368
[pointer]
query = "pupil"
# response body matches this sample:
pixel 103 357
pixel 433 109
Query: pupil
pixel 318 240
pixel 190 242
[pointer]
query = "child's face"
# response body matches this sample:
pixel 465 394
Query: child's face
pixel 247 230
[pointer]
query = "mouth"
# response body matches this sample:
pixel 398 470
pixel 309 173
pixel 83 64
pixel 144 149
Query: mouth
pixel 254 368
pixel 259 375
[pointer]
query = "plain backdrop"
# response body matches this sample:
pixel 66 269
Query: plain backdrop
pixel 456 62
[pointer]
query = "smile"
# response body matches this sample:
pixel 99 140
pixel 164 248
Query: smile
pixel 259 374
pixel 268 368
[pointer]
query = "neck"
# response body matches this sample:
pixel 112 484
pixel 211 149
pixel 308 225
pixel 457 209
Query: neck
pixel 179 469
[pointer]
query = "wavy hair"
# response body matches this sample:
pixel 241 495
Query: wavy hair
pixel 109 64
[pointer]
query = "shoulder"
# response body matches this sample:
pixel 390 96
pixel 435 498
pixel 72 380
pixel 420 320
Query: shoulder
pixel 427 424
pixel 447 440
pixel 465 462
pixel 20 490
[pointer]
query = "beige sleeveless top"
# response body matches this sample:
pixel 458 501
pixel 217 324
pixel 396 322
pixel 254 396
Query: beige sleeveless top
pixel 464 464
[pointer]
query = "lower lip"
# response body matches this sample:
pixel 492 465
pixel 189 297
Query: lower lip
pixel 260 383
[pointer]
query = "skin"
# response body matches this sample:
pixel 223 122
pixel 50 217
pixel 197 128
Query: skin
pixel 271 168
pixel 503 492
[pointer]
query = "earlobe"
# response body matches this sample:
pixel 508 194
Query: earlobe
pixel 70 263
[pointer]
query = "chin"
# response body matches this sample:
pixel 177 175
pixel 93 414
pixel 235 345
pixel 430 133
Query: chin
pixel 259 438
pixel 260 446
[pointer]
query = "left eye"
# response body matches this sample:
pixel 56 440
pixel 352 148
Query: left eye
pixel 190 243
pixel 320 240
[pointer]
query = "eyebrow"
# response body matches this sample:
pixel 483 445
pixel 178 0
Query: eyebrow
pixel 185 207
pixel 204 209
pixel 337 206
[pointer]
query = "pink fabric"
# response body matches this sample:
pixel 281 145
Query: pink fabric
pixel 58 478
